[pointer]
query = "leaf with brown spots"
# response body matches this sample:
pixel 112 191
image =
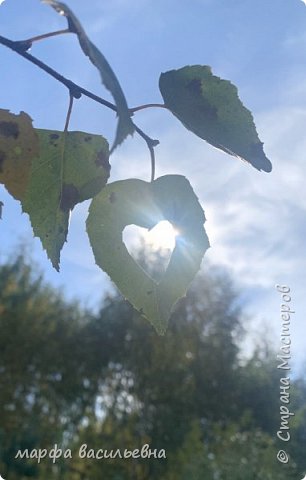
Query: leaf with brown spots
pixel 211 108
pixel 18 145
pixel 50 172
pixel 69 169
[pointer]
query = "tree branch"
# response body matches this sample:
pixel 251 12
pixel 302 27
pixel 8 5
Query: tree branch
pixel 18 47
pixel 76 91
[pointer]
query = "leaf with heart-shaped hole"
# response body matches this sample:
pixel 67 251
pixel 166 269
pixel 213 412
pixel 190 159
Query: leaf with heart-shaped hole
pixel 145 204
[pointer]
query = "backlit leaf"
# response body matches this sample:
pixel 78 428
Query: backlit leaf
pixel 125 125
pixel 210 108
pixel 50 172
pixel 145 204
pixel 68 170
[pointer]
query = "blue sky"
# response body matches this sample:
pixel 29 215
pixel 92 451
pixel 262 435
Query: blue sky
pixel 256 222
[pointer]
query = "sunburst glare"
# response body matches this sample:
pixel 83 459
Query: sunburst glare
pixel 161 237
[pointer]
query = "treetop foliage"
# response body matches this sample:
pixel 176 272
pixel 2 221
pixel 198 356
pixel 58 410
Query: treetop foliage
pixel 72 377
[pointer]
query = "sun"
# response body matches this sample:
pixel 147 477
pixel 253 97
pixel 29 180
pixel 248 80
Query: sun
pixel 162 236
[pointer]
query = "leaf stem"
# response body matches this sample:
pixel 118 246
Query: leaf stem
pixel 37 38
pixel 148 105
pixel 152 154
pixel 71 98
pixel 151 144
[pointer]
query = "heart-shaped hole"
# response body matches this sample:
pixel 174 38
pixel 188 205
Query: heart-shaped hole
pixel 156 244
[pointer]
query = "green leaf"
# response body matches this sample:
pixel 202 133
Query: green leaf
pixel 69 169
pixel 210 108
pixel 18 145
pixel 125 125
pixel 145 204
pixel 50 172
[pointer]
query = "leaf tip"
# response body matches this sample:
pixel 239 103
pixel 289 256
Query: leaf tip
pixel 259 159
pixel 56 266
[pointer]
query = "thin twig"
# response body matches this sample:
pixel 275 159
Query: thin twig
pixel 76 91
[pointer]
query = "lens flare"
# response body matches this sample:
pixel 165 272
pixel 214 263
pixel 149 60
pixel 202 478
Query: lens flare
pixel 162 236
